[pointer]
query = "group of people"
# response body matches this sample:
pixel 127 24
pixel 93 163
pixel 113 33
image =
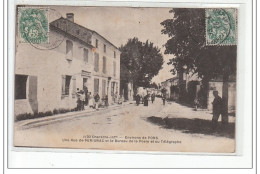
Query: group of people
pixel 85 98
pixel 144 99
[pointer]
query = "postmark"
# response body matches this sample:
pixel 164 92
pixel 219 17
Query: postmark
pixel 221 26
pixel 33 25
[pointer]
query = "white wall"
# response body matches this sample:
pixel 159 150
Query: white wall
pixel 109 54
pixel 49 66
pixel 231 94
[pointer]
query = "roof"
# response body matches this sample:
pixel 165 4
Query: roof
pixel 82 33
pixel 173 78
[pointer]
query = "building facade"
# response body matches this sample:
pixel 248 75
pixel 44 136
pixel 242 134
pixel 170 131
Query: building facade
pixel 187 87
pixel 171 86
pixel 47 79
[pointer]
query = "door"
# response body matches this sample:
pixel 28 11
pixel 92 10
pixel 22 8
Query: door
pixel 32 95
pixel 104 88
pixel 85 85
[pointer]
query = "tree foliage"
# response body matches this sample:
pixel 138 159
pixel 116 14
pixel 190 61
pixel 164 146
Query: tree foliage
pixel 186 31
pixel 139 62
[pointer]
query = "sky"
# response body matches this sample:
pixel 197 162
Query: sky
pixel 118 24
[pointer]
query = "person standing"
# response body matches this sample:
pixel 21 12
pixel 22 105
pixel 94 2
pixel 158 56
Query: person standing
pixel 137 99
pixel 106 100
pixel 78 100
pixel 163 99
pixel 91 101
pixel 82 100
pixel 217 108
pixel 86 94
pixel 163 95
pixel 146 100
pixel 96 98
pixel 153 97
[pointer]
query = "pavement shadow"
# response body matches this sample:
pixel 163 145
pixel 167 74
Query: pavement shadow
pixel 195 126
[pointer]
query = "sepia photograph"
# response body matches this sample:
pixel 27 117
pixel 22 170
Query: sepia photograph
pixel 151 79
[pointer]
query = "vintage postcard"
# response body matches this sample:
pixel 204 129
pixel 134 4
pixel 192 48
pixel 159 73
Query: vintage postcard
pixel 122 78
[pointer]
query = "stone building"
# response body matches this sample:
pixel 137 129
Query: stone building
pixel 47 79
pixel 185 88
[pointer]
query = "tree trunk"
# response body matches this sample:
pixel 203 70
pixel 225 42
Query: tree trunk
pixel 204 94
pixel 225 97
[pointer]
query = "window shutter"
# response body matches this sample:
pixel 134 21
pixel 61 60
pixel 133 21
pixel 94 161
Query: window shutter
pixel 63 79
pixel 73 87
pixel 96 63
pixel 104 65
pixel 114 69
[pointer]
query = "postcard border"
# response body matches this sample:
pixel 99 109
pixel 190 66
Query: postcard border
pixel 7 105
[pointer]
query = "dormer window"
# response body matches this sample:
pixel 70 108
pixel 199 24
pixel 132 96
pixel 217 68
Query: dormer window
pixel 69 49
pixel 85 54
pixel 96 43
pixel 105 48
pixel 77 31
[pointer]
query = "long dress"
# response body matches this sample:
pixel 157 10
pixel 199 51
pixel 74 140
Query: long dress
pixel 90 101
pixel 146 101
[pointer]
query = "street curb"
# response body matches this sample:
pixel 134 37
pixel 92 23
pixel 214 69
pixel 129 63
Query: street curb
pixel 30 123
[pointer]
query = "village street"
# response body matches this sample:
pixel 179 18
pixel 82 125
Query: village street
pixel 130 127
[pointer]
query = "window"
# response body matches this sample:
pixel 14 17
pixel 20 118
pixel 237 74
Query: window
pixel 66 85
pixel 20 86
pixel 114 69
pixel 69 47
pixel 96 62
pixel 114 54
pixel 85 54
pixel 112 88
pixel 105 48
pixel 96 43
pixel 104 65
pixel 96 86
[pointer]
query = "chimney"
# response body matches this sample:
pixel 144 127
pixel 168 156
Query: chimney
pixel 70 16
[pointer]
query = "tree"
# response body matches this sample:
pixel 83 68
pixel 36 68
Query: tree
pixel 187 45
pixel 139 62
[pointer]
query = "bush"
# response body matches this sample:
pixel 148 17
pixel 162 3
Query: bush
pixel 49 113
pixel 24 116
pixel 64 110
pixel 40 114
pixel 55 111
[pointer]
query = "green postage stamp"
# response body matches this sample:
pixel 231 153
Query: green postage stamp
pixel 33 25
pixel 221 26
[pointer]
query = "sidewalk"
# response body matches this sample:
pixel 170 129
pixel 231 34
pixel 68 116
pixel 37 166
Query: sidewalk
pixel 185 119
pixel 30 123
pixel 176 110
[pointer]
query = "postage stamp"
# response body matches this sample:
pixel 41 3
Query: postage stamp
pixel 221 26
pixel 33 25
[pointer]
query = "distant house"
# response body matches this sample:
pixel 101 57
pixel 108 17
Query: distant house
pixel 126 84
pixel 186 87
pixel 171 86
pixel 217 84
pixel 47 79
